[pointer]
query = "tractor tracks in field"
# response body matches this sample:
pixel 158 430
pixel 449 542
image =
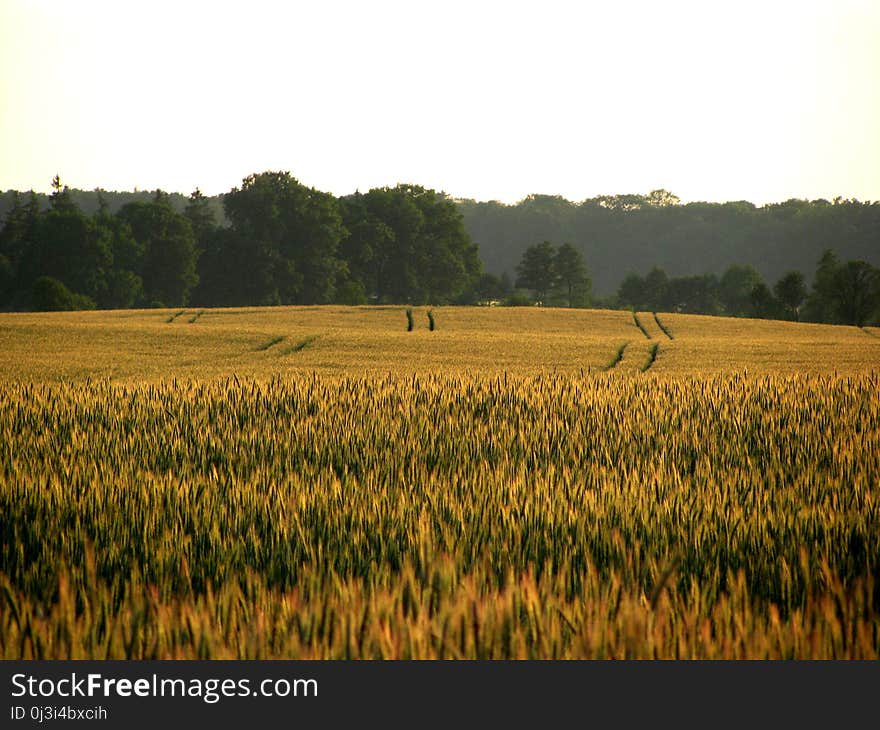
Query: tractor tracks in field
pixel 663 327
pixel 638 323
pixel 297 346
pixel 644 330
pixel 654 338
pixel 192 320
pixel 620 353
pixel 654 350
pixel 270 343
pixel 618 356
pixel 652 357
pixel 300 345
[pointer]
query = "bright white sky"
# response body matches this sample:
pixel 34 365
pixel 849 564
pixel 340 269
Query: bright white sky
pixel 751 100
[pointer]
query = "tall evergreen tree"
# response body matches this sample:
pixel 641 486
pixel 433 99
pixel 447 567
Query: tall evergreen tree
pixel 67 246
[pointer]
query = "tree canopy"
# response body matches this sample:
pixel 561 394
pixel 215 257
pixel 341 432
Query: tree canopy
pixel 847 293
pixel 277 242
pixel 273 240
pixel 617 234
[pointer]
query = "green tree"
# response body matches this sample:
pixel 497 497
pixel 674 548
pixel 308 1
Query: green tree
pixel 367 244
pixel 17 238
pixel 763 303
pixel 695 294
pixel 656 285
pixel 661 198
pixel 571 273
pixel 408 244
pixel 536 269
pixel 821 305
pixel 235 270
pixel 313 246
pixel 791 291
pixel 448 261
pixel 396 264
pixel 50 295
pixel 489 288
pixel 7 280
pixel 67 246
pixel 857 292
pixel 201 217
pixel 736 287
pixel 168 268
pixel 631 292
pixel 351 293
pixel 614 232
pixel 298 230
pixel 60 198
pixel 124 287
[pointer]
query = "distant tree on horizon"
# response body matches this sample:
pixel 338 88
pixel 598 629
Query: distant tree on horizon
pixel 857 292
pixel 571 273
pixel 278 241
pixel 791 291
pixel 166 250
pixel 408 244
pixel 536 270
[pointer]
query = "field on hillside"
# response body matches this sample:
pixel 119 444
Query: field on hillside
pixel 318 482
pixel 135 346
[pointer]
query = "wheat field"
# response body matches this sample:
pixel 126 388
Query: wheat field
pixel 140 346
pixel 318 482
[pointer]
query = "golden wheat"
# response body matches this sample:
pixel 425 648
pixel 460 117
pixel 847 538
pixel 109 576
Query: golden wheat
pixel 437 501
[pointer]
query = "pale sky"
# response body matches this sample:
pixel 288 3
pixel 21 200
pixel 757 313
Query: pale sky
pixel 750 100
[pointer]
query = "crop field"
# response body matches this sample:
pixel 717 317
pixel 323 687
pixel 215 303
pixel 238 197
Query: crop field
pixel 319 482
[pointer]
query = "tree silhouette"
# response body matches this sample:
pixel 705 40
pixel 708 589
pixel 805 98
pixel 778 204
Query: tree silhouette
pixel 537 270
pixel 571 273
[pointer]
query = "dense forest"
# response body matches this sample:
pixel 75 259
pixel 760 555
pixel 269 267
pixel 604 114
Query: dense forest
pixel 275 241
pixel 623 234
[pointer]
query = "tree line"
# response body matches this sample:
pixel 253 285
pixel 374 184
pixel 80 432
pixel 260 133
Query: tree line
pixel 273 240
pixel 840 293
pixel 279 242
pixel 617 234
